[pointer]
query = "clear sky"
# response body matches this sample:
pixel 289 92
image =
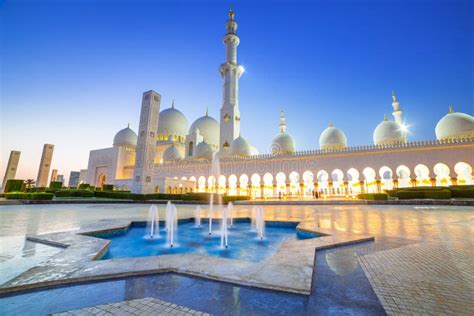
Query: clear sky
pixel 73 71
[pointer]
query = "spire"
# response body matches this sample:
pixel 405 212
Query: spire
pixel 172 104
pixel 330 124
pixel 282 122
pixel 231 13
pixel 451 109
pixel 385 118
pixel 394 96
pixel 128 125
pixel 207 111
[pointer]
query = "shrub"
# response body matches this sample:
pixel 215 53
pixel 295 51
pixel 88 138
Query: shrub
pixel 391 193
pixel 29 196
pixel 84 186
pixel 462 193
pixel 373 196
pixel 233 198
pixel 164 196
pixel 424 194
pixel 74 193
pixel 14 185
pixel 113 195
pixel 55 185
pixel 107 187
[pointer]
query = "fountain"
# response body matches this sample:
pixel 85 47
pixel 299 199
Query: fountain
pixel 197 216
pixel 171 224
pixel 215 171
pixel 260 221
pixel 224 234
pixel 153 223
pixel 230 209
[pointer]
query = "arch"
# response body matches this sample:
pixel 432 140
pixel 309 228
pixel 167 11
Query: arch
pixel 184 178
pixel 464 173
pixel 337 177
pixel 441 172
pixel 281 183
pixel 353 181
pixel 232 184
pixel 308 183
pixel 369 177
pixel 422 173
pixel 323 181
pixel 169 190
pixel 191 149
pixel 202 184
pixel 211 184
pixel 221 183
pixel 403 175
pixel 386 175
pixel 267 185
pixel 243 184
pixel 294 178
pixel 256 189
pixel 101 180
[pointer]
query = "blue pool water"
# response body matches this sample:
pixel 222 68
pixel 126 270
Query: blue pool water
pixel 243 242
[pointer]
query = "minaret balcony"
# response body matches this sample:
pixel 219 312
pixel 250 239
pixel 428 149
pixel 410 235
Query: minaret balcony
pixel 236 69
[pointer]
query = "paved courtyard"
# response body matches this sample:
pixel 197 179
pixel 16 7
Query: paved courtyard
pixel 420 261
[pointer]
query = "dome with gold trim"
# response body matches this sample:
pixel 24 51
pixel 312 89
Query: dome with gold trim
pixel 455 125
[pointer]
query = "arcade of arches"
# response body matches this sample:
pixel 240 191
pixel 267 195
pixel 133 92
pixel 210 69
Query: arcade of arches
pixel 334 183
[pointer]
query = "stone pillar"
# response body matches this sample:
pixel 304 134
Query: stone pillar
pixel 45 165
pixel 301 190
pixel 379 186
pixel 362 186
pixel 12 167
pixel 146 144
pixel 262 191
pixel 330 188
pixel 454 181
pixel 346 187
pixel 413 182
pixel 395 184
pixel 275 190
pixel 433 182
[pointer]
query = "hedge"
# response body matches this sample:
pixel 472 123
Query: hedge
pixel 84 186
pixel 201 197
pixel 107 187
pixel 29 196
pixel 462 193
pixel 373 196
pixel 74 193
pixel 14 185
pixel 56 185
pixel 424 194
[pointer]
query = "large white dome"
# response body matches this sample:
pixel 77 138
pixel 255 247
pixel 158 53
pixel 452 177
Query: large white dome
pixel 204 151
pixel 172 154
pixel 332 138
pixel 283 144
pixel 240 147
pixel 172 122
pixel 208 128
pixel 455 125
pixel 388 133
pixel 125 137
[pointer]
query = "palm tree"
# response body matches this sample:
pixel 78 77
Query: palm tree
pixel 29 183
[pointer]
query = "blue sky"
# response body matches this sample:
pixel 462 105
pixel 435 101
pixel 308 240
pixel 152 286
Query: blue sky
pixel 73 71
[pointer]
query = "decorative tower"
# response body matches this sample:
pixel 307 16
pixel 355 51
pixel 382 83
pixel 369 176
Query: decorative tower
pixel 282 122
pixel 398 114
pixel 45 166
pixel 230 71
pixel 146 143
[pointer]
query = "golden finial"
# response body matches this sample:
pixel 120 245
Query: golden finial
pixel 172 104
pixel 231 13
pixel 207 111
pixel 451 109
pixel 128 125
pixel 385 118
pixel 331 124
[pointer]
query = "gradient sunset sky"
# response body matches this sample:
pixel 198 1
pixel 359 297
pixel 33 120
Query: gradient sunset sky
pixel 72 72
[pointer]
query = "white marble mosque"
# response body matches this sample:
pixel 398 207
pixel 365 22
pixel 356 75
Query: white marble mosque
pixel 169 156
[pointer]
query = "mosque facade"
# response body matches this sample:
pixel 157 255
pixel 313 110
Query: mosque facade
pixel 169 156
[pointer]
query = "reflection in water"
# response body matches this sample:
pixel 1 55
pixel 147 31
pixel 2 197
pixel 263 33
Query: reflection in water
pixel 342 261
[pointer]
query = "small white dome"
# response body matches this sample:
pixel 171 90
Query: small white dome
pixel 240 147
pixel 172 122
pixel 388 133
pixel 253 150
pixel 203 151
pixel 455 125
pixel 283 144
pixel 332 138
pixel 125 137
pixel 208 128
pixel 172 154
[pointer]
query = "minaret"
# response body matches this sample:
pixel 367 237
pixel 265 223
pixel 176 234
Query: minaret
pixel 282 122
pixel 230 71
pixel 397 113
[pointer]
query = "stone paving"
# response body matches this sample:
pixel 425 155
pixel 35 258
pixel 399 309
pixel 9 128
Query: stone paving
pixel 423 279
pixel 144 306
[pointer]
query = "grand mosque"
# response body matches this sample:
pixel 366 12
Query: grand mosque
pixel 167 155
